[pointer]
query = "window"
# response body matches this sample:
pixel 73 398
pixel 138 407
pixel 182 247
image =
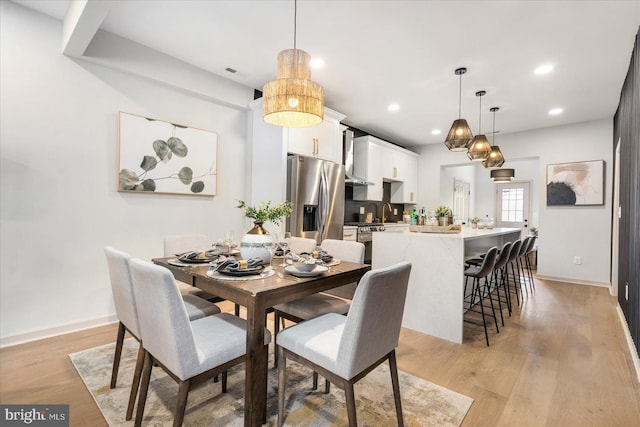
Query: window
pixel 512 205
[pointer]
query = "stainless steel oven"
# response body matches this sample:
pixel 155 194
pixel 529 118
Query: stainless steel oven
pixel 364 235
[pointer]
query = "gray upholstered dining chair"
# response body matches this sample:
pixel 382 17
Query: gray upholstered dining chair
pixel 345 349
pixel 127 314
pixel 335 300
pixel 190 352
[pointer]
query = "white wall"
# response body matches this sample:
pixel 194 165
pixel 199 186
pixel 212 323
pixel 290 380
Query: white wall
pixel 565 232
pixel 59 205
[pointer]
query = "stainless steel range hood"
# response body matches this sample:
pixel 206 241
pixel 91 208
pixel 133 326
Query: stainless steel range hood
pixel 350 178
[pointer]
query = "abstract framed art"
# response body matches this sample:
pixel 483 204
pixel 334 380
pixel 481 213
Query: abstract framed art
pixel 575 184
pixel 159 157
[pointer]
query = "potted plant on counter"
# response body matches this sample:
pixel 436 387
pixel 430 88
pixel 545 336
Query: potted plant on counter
pixel 252 244
pixel 534 230
pixel 444 215
pixel 474 222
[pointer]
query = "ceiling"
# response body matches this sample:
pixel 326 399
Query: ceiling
pixel 405 52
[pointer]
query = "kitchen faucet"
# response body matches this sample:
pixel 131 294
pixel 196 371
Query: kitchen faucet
pixel 386 205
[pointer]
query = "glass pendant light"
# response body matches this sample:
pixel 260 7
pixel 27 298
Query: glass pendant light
pixel 479 147
pixel 495 159
pixel 293 100
pixel 460 134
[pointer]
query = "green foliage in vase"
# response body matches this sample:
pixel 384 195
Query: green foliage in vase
pixel 265 212
pixel 164 151
pixel 443 211
pixel 475 220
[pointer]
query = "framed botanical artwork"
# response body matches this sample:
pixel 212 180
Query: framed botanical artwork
pixel 159 157
pixel 575 184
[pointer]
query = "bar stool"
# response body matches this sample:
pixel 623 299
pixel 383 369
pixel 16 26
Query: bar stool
pixel 528 251
pixel 478 273
pixel 523 278
pixel 513 255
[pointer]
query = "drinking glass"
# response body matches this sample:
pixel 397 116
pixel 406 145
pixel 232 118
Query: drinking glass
pixel 270 245
pixel 228 241
pixel 284 244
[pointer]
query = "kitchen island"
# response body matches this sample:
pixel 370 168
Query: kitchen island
pixel 434 303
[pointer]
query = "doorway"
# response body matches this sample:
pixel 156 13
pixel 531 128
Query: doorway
pixel 513 205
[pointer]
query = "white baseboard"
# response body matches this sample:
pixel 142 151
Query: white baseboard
pixel 632 348
pixel 576 281
pixel 39 334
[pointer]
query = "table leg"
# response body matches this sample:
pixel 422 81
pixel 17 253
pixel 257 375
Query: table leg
pixel 255 402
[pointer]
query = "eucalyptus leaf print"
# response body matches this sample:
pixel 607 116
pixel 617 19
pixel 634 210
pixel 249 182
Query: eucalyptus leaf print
pixel 163 157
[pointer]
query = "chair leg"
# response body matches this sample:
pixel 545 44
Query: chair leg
pixel 282 382
pixel 117 354
pixel 327 386
pixel 393 368
pixel 351 404
pixel 224 382
pixel 183 394
pixel 236 310
pixel 476 287
pixel 144 387
pixel 315 381
pixel 136 382
pixel 515 286
pixel 494 279
pixel 486 285
pixel 276 329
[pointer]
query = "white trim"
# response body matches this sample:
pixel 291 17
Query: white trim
pixel 576 281
pixel 35 335
pixel 632 348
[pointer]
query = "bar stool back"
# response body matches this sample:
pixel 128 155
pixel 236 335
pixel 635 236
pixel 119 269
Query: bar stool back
pixel 481 291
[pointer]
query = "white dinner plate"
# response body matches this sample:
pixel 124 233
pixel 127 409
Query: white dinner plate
pixel 320 269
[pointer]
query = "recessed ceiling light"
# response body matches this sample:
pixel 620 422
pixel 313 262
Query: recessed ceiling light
pixel 436 132
pixel 393 107
pixel 316 62
pixel 544 69
pixel 555 111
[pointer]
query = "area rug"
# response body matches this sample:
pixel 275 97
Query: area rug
pixel 423 403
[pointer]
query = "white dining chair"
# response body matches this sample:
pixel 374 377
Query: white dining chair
pixel 299 245
pixel 127 314
pixel 190 352
pixel 345 349
pixel 179 243
pixel 335 300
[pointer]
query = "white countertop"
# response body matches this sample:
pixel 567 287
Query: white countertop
pixel 469 233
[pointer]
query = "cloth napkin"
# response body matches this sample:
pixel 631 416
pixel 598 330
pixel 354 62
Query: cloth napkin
pixel 232 264
pixel 321 255
pixel 193 255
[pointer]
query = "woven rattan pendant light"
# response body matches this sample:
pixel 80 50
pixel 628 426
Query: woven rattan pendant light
pixel 479 147
pixel 293 100
pixel 495 159
pixel 460 134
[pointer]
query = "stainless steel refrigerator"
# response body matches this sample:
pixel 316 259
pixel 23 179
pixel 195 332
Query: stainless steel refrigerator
pixel 316 188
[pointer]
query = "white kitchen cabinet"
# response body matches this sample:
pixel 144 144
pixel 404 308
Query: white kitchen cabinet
pixel 406 189
pixel 323 141
pixel 268 145
pixel 379 161
pixel 368 163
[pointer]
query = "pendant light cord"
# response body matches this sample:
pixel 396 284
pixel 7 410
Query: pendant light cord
pixel 480 116
pixel 460 98
pixel 494 128
pixel 295 20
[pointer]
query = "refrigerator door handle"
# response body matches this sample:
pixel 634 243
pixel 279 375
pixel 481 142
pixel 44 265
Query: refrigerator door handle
pixel 323 202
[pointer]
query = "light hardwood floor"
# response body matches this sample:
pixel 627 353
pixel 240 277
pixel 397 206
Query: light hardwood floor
pixel 561 360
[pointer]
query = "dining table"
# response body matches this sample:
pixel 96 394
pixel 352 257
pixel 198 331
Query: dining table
pixel 257 295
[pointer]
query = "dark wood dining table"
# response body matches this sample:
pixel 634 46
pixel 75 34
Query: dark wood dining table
pixel 257 296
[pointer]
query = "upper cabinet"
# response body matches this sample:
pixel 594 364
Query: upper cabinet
pixel 379 161
pixel 323 141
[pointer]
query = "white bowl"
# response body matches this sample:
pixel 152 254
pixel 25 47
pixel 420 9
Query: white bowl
pixel 304 266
